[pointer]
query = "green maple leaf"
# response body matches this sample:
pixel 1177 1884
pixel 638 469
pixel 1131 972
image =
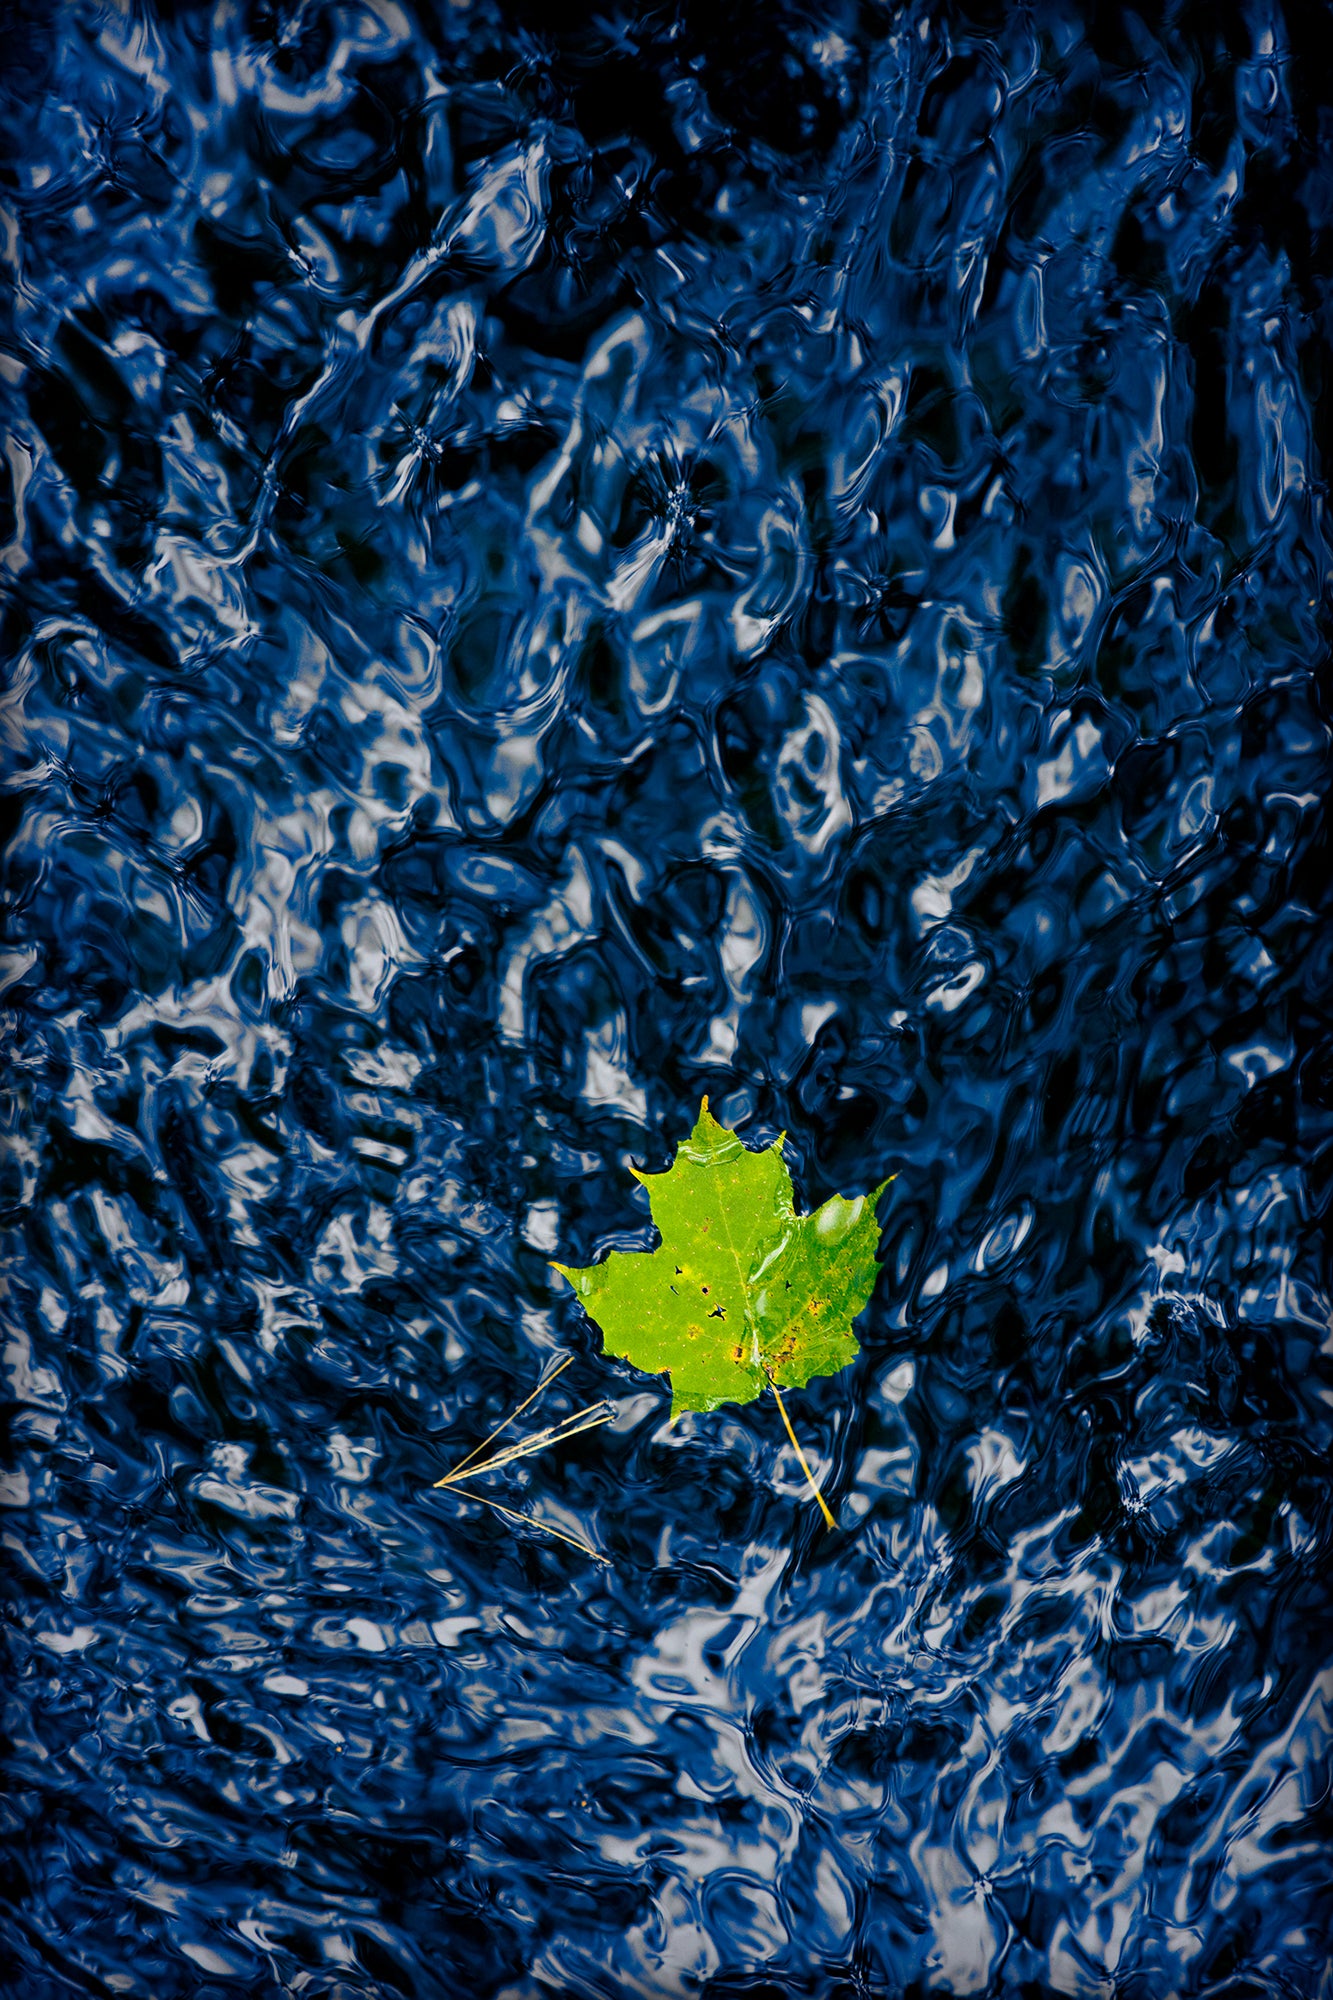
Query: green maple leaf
pixel 742 1291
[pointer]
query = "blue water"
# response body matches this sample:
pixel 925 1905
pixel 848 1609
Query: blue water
pixel 556 561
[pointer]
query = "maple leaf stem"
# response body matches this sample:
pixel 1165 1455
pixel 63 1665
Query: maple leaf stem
pixel 805 1463
pixel 526 1404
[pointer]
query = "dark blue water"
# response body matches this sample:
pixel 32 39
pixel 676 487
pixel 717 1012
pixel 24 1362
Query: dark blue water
pixel 557 561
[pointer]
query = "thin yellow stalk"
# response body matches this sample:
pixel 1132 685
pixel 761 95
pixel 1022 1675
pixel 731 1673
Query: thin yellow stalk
pixel 545 1383
pixel 805 1463
pixel 535 1441
pixel 531 1521
pixel 527 1447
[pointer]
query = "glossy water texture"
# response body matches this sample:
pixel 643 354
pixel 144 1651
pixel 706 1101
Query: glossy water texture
pixel 558 561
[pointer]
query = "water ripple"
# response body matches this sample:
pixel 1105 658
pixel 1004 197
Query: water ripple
pixel 556 563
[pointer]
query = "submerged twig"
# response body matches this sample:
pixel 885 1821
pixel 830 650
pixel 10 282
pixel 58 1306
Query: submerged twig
pixel 805 1463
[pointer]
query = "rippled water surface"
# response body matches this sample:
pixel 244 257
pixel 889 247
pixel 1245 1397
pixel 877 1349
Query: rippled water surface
pixel 557 561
